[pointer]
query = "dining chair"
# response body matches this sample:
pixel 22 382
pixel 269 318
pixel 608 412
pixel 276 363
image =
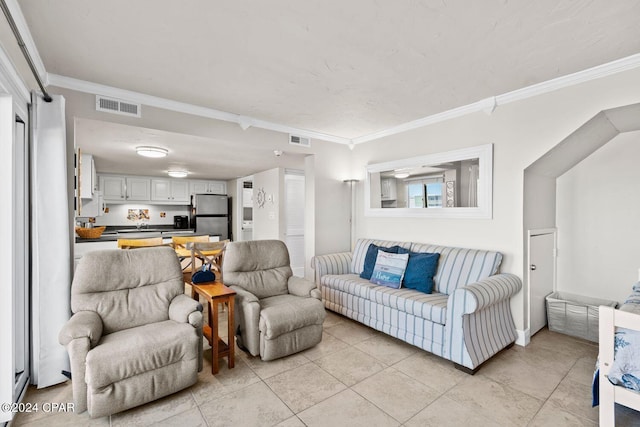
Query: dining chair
pixel 180 245
pixel 139 243
pixel 209 253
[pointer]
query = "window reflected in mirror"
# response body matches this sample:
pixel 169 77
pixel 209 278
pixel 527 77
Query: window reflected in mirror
pixel 451 184
pixel 454 184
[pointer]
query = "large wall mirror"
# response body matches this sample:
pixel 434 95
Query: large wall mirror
pixel 453 184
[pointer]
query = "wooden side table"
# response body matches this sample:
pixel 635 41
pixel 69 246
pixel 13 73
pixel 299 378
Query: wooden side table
pixel 216 293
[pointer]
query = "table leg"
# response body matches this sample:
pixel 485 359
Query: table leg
pixel 215 346
pixel 231 337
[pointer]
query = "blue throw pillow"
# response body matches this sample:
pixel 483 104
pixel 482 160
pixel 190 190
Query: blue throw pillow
pixel 372 254
pixel 420 270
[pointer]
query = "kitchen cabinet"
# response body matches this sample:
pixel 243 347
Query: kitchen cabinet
pixel 121 189
pixel 169 190
pixel 207 187
pixel 388 188
pixel 138 189
pixel 87 179
pixel 92 207
pixel 113 188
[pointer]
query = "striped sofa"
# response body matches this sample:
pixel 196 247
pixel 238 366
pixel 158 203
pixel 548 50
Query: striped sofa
pixel 467 319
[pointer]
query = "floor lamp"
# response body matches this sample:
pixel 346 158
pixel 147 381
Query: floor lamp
pixel 352 231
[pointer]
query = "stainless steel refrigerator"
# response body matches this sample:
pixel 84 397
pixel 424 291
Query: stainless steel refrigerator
pixel 211 214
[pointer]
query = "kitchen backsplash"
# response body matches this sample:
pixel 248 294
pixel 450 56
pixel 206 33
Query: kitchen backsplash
pixel 158 214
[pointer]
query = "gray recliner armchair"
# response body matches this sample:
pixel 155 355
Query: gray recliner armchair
pixel 276 313
pixel 134 336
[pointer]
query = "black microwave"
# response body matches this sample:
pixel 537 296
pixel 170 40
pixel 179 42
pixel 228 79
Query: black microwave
pixel 181 221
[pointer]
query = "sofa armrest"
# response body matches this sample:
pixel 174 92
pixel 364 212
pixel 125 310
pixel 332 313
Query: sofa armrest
pixel 83 324
pixel 479 295
pixel 183 309
pixel 247 314
pixel 302 287
pixel 338 263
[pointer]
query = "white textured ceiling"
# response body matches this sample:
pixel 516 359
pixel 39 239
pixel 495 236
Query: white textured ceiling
pixel 345 68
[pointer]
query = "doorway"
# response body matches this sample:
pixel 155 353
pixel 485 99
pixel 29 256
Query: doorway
pixel 541 275
pixel 294 201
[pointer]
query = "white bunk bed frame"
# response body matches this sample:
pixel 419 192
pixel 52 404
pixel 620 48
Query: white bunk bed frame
pixel 610 394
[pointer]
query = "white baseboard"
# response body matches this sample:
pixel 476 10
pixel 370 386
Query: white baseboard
pixel 524 337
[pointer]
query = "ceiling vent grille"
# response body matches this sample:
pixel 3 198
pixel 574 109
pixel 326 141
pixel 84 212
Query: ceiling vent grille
pixel 299 140
pixel 117 106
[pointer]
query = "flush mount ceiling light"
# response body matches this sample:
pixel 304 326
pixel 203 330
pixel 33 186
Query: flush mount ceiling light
pixel 402 175
pixel 148 151
pixel 178 174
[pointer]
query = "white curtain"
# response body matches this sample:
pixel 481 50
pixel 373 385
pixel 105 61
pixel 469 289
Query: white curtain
pixel 51 254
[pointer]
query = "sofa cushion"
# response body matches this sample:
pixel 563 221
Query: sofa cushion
pixel 372 256
pixel 458 267
pixel 361 248
pixel 133 351
pixel 431 307
pixel 421 268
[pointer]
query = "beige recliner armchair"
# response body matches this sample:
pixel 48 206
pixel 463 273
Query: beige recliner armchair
pixel 276 313
pixel 134 336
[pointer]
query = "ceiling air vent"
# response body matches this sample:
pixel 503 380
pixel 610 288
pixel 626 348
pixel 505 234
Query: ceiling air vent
pixel 299 140
pixel 117 106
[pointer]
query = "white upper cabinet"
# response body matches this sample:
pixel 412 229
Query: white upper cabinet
pixel 87 179
pixel 208 187
pixel 138 189
pixel 113 188
pixel 169 190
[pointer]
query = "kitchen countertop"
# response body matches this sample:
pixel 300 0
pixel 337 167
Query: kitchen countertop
pixel 113 233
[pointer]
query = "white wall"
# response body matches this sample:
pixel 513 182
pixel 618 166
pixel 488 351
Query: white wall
pixel 598 218
pixel 521 133
pixel 267 219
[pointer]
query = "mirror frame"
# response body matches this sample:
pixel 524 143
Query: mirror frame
pixel 485 190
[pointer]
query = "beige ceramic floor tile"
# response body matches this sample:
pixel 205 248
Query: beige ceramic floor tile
pixel 552 416
pixel 495 401
pixel 255 405
pixel 274 367
pixel 156 411
pixel 61 393
pixel 346 408
pixel 350 332
pixel 387 349
pixel 66 419
pixel 333 319
pixel 350 366
pixel 396 393
pixel 446 412
pixel 291 422
pixel 327 346
pixel 582 371
pixel 563 344
pixel 208 385
pixel 627 417
pixel 234 379
pixel 575 398
pixel 190 418
pixel 522 373
pixel 304 386
pixel 431 370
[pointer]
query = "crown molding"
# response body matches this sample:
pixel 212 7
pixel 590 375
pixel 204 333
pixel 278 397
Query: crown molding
pixel 488 105
pixel 183 107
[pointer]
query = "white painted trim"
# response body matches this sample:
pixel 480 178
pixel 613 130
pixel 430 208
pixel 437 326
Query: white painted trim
pixel 485 192
pixel 10 80
pixel 489 104
pixel 183 107
pixel 524 337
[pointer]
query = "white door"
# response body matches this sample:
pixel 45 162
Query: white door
pixel 541 277
pixel 294 221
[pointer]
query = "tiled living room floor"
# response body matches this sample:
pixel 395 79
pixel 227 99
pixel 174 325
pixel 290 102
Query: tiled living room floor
pixel 360 377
